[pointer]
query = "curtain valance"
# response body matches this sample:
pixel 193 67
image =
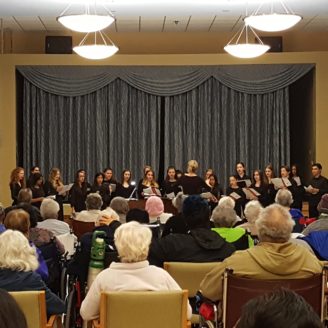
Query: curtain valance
pixel 73 81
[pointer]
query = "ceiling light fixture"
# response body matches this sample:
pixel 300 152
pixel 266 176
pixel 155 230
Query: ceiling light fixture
pixel 247 49
pixel 273 22
pixel 96 50
pixel 89 21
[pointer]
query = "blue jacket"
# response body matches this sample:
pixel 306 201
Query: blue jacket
pixel 16 281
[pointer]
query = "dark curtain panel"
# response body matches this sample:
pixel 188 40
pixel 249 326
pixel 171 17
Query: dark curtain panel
pixel 117 126
pixel 218 126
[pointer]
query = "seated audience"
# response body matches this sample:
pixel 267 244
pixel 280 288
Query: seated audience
pixel 275 257
pixel 49 211
pixel 201 244
pixel 132 241
pixel 121 206
pixel 18 262
pixel 224 220
pixel 252 212
pixel 2 217
pixel 280 308
pixel 11 315
pixel 155 208
pixel 139 215
pixel 93 204
pixel 285 198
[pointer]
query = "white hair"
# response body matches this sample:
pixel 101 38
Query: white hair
pixel 275 224
pixel 253 210
pixel 16 253
pixel 132 241
pixel 226 202
pixel 49 209
pixel 120 205
pixel 284 197
pixel 224 217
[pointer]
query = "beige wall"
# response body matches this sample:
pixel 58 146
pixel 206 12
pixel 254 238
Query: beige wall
pixel 8 106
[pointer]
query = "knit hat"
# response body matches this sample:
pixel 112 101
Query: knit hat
pixel 154 206
pixel 196 212
pixel 323 204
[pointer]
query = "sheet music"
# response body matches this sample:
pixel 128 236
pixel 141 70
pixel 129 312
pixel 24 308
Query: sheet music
pixel 244 183
pixel 113 187
pixel 65 188
pixel 280 183
pixel 234 196
pixel 251 193
pixel 171 195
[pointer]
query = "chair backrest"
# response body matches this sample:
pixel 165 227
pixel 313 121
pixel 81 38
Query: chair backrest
pixel 238 291
pixel 144 309
pixel 33 305
pixel 189 275
pixel 80 228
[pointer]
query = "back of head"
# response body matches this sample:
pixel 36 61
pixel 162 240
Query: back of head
pixel 224 217
pixel 11 315
pixel 323 204
pixel 284 197
pixel 49 209
pixel 280 308
pixel 120 205
pixel 154 206
pixel 139 215
pixel 178 200
pixel 253 210
pixel 2 213
pixel 196 212
pixel 192 166
pixel 24 196
pixel 93 201
pixel 18 220
pixel 226 202
pixel 275 224
pixel 132 241
pixel 16 253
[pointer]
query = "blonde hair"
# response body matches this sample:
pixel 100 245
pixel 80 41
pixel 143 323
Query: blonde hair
pixel 192 166
pixel 52 175
pixel 226 202
pixel 16 253
pixel 132 241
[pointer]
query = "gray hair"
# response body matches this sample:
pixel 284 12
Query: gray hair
pixel 275 224
pixel 120 205
pixel 93 201
pixel 253 210
pixel 132 241
pixel 49 209
pixel 224 217
pixel 24 196
pixel 178 200
pixel 226 202
pixel 284 197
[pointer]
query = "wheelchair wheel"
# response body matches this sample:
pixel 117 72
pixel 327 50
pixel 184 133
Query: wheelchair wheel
pixel 71 315
pixel 64 280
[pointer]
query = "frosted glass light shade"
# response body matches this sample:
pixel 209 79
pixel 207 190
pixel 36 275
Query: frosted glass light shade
pixel 96 51
pixel 86 22
pixel 272 22
pixel 246 50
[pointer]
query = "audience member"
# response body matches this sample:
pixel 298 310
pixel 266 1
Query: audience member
pixel 139 215
pixel 155 208
pixel 201 244
pixel 121 206
pixel 275 257
pixel 132 241
pixel 2 217
pixel 252 212
pixel 18 260
pixel 280 308
pixel 93 204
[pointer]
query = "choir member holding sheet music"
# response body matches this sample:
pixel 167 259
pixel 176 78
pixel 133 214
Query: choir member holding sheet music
pixel 259 189
pixel 17 182
pixel 36 186
pixel 241 172
pixel 110 182
pixel 100 188
pixel 170 187
pixel 207 175
pixel 190 182
pixel 237 194
pixel 79 192
pixel 55 188
pixel 299 191
pixel 267 178
pixel 125 189
pixel 317 187
pixel 149 186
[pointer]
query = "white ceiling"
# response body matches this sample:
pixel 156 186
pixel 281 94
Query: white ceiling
pixel 158 15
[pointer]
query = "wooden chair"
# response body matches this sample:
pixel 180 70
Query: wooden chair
pixel 143 309
pixel 33 305
pixel 80 228
pixel 237 291
pixel 189 276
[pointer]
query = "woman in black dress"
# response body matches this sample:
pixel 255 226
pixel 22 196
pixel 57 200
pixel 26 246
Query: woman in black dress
pixel 148 182
pixel 285 173
pixel 170 185
pixel 268 176
pixel 300 191
pixel 241 172
pixel 101 188
pixel 237 194
pixel 38 193
pixel 79 192
pixel 17 182
pixel 125 189
pixel 261 187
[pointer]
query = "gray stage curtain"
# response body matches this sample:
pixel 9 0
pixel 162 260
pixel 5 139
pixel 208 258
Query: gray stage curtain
pixel 218 126
pixel 163 80
pixel 115 126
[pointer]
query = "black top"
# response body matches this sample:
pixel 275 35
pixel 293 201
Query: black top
pixel 123 191
pixel 239 203
pixel 103 191
pixel 263 190
pixel 78 196
pixel 170 186
pixel 50 190
pixel 320 183
pixel 141 187
pixel 15 189
pixel 192 185
pixel 37 193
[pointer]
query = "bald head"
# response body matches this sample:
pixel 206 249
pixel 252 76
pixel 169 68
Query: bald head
pixel 275 224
